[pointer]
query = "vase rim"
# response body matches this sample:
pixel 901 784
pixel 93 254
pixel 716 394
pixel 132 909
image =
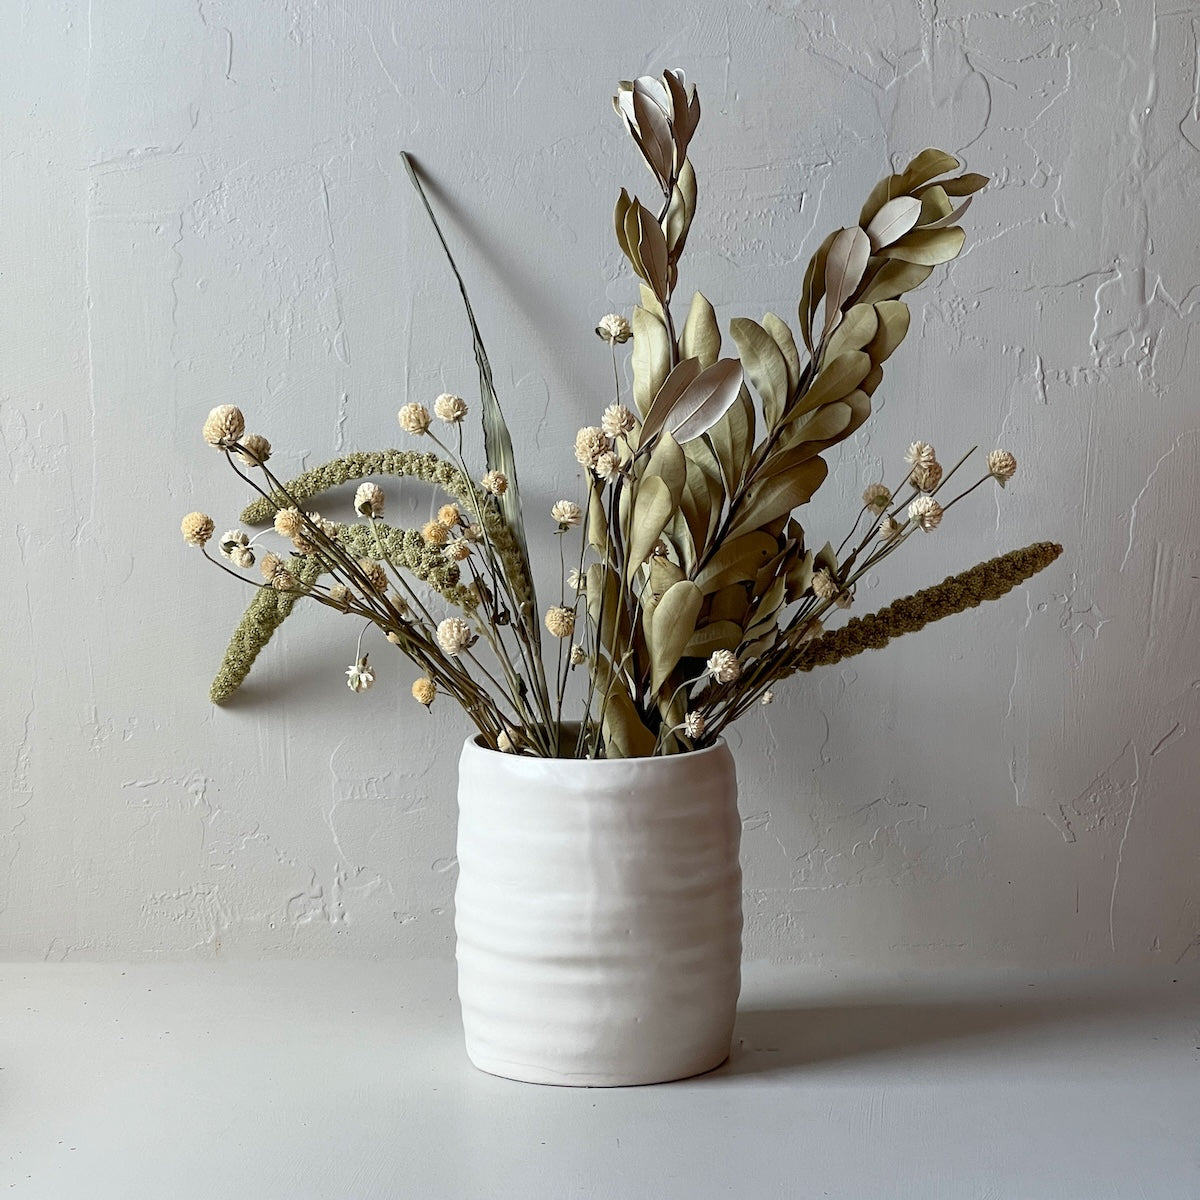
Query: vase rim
pixel 474 745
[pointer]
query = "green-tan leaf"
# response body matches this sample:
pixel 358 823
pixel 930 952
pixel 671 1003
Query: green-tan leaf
pixel 765 365
pixel 837 379
pixel 737 559
pixel 717 635
pixel 893 221
pixel 701 335
pixel 652 509
pixel 673 626
pixel 893 279
pixel 776 496
pixel 927 247
pixel 844 267
pixel 732 439
pixel 782 335
pixel 651 357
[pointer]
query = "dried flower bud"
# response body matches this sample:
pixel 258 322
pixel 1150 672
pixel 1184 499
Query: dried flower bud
pixel 617 419
pixel 339 593
pixel 270 564
pixel 449 515
pixel 926 512
pixel 877 497
pixel 693 725
pixel 376 576
pixel 223 425
pixel 560 621
pixel 424 691
pixel 288 522
pixel 576 580
pixel 242 556
pixel 660 549
pixel 889 528
pixel 283 581
pixel 454 636
pixel 590 442
pixel 414 419
pixel 926 476
pixel 614 329
pixel 506 742
pixel 196 528
pixel 567 513
pixel 300 540
pixel 768 697
pixel 724 667
pixel 435 533
pixel 360 677
pixel 824 586
pixel 233 540
pixel 368 500
pixel 450 408
pixel 1001 466
pixel 607 465
pixel 578 656
pixel 393 637
pixel 920 454
pixel 458 550
pixel 495 482
pixel 398 603
pixel 255 450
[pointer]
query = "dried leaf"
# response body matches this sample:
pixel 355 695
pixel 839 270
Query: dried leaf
pixel 730 604
pixel 927 165
pixel 717 635
pixel 651 358
pixel 927 248
pixel 962 185
pixel 893 318
pixel 705 401
pixel 681 377
pixel 892 279
pixel 808 438
pixel 737 559
pixel 681 213
pixel 652 250
pixel 669 464
pixel 889 187
pixel 626 736
pixel 782 336
pixel 935 205
pixel 663 573
pixel 656 141
pixel 814 289
pixel 732 439
pixel 844 269
pixel 952 217
pixel 836 380
pixel 673 625
pixel 764 363
pixel 858 327
pixel 701 336
pixel 652 509
pixel 893 220
pixel 776 496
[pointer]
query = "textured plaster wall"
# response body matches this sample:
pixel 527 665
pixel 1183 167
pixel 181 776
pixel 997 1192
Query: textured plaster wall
pixel 201 202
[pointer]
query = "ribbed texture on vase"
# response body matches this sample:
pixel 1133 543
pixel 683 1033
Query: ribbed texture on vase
pixel 598 913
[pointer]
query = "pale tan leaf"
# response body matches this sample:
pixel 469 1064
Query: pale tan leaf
pixel 681 377
pixel 667 461
pixel 776 496
pixel 893 318
pixel 814 289
pixel 730 604
pixel 927 165
pixel 764 363
pixel 736 560
pixel 681 212
pixel 652 509
pixel 701 335
pixel 717 635
pixel 663 573
pixel 732 439
pixel 782 335
pixel 705 400
pixel 674 624
pixel 858 327
pixel 935 205
pixel 893 279
pixel 837 379
pixel 626 736
pixel 843 272
pixel 893 220
pixel 962 185
pixel 652 250
pixel 889 187
pixel 927 248
pixel 651 358
pixel 951 218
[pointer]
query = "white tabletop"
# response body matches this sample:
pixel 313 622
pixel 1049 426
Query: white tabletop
pixel 347 1080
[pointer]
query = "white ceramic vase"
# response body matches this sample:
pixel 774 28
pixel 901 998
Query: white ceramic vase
pixel 599 915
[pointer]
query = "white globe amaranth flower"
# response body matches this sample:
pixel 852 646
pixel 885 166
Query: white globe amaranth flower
pixel 578 655
pixel 424 691
pixel 1002 466
pixel 196 528
pixel 458 550
pixel 888 528
pixel 359 676
pixel 768 697
pixel 824 586
pixel 368 500
pixel 590 442
pixel 375 573
pixel 920 454
pixel 232 541
pixel 288 522
pixel 560 621
pixel 339 593
pixel 576 580
pixel 614 329
pixel 607 466
pixel 724 667
pixel 876 497
pixel 567 513
pixel 450 408
pixel 617 420
pixel 454 636
pixel 926 512
pixel 694 725
pixel 224 424
pixel 435 533
pixel 414 419
pixel 495 482
pixel 255 450
pixel 926 476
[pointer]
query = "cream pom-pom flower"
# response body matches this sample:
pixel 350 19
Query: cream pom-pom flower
pixel 888 528
pixel 454 636
pixel 567 513
pixel 926 476
pixel 560 621
pixel 590 442
pixel 224 424
pixel 368 500
pixel 255 450
pixel 926 512
pixel 450 408
pixel 495 482
pixel 824 586
pixel 414 419
pixel 435 533
pixel 876 497
pixel 694 725
pixel 920 454
pixel 1002 466
pixel 359 676
pixel 424 691
pixel 614 329
pixel 377 578
pixel 197 528
pixel 449 515
pixel 617 419
pixel 724 667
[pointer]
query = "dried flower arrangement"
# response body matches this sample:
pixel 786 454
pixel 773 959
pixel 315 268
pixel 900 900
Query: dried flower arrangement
pixel 693 589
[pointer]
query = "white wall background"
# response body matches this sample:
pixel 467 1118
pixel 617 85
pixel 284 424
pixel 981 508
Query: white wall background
pixel 202 203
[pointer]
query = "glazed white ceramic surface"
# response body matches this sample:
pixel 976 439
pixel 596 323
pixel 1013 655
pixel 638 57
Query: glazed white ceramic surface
pixel 599 915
